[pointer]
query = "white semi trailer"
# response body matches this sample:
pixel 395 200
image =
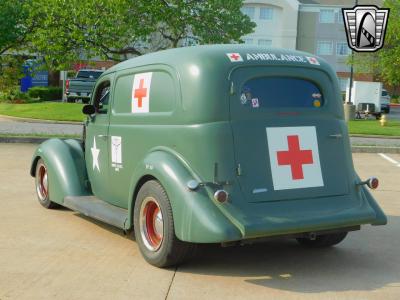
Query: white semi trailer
pixel 366 96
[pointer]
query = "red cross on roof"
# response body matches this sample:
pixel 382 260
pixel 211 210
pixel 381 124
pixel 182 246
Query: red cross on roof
pixel 140 92
pixel 234 56
pixel 295 157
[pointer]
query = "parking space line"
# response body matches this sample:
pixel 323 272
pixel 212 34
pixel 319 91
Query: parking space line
pixel 388 158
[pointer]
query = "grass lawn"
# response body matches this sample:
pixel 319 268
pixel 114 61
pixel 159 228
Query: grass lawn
pixel 45 111
pixel 373 127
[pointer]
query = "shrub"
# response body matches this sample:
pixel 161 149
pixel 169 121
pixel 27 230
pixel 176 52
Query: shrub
pixel 45 93
pixel 395 99
pixel 16 96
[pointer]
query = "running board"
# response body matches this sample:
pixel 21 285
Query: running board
pixel 97 209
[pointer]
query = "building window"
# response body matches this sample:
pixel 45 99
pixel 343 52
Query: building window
pixel 327 16
pixel 249 11
pixel 324 47
pixel 340 17
pixel 263 42
pixel 248 41
pixel 342 49
pixel 344 83
pixel 266 13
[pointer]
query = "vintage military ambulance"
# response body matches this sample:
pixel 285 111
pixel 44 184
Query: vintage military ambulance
pixel 212 144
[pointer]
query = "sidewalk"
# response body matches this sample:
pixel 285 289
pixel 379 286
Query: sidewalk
pixel 14 126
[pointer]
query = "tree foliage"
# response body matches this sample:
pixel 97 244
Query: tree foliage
pixel 13 26
pixel 117 29
pixel 385 63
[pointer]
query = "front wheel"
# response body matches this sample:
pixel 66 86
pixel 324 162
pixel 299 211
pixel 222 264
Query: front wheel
pixel 324 240
pixel 154 228
pixel 42 185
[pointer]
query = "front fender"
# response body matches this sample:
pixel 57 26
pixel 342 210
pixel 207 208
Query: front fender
pixel 196 216
pixel 66 167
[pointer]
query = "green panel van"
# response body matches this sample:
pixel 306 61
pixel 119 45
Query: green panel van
pixel 212 144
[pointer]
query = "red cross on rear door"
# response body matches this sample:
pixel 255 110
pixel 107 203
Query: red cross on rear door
pixel 294 157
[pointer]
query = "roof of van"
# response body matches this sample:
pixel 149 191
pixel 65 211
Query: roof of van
pixel 225 54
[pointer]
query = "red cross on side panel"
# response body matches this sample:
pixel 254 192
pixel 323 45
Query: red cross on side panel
pixel 295 157
pixel 140 92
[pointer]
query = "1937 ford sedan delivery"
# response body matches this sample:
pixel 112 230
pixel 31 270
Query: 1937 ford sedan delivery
pixel 212 144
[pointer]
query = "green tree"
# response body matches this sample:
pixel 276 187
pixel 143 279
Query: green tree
pixel 385 63
pixel 117 29
pixel 13 26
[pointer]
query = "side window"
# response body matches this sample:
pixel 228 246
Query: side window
pixel 161 91
pixel 102 97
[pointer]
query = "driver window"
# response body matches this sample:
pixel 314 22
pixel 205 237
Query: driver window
pixel 102 97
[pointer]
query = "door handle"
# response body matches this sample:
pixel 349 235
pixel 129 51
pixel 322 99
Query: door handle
pixel 336 136
pixel 103 136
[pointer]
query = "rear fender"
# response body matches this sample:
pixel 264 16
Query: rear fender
pixel 196 216
pixel 66 166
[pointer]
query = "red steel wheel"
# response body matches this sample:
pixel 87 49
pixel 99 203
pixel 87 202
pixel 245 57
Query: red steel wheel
pixel 151 224
pixel 42 184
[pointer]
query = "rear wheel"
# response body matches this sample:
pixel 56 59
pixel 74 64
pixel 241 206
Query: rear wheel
pixel 324 240
pixel 42 185
pixel 154 228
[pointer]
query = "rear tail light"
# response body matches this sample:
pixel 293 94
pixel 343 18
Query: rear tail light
pixel 66 85
pixel 221 196
pixel 373 183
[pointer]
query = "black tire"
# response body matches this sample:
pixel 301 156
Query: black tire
pixel 42 186
pixel 167 250
pixel 325 240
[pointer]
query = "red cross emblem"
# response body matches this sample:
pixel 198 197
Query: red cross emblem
pixel 140 92
pixel 234 57
pixel 295 157
pixel 312 60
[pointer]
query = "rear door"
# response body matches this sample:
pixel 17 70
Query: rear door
pixel 289 138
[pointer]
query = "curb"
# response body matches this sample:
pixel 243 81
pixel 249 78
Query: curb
pixel 28 120
pixel 394 104
pixel 375 149
pixel 30 140
pixel 354 149
pixel 27 140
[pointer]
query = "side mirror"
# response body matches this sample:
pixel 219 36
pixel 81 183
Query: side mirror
pixel 89 109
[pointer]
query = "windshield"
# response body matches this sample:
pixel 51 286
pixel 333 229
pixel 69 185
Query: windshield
pixel 89 74
pixel 272 92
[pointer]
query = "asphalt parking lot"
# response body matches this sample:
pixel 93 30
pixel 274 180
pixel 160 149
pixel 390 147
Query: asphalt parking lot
pixel 59 254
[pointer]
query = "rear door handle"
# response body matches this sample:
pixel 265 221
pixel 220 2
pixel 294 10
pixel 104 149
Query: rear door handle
pixel 103 136
pixel 336 136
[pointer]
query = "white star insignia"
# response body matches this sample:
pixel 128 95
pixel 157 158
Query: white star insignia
pixel 95 155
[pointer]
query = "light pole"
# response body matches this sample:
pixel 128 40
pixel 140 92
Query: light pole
pixel 349 107
pixel 351 70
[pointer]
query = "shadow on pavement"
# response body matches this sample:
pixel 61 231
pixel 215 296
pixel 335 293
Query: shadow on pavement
pixel 366 260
